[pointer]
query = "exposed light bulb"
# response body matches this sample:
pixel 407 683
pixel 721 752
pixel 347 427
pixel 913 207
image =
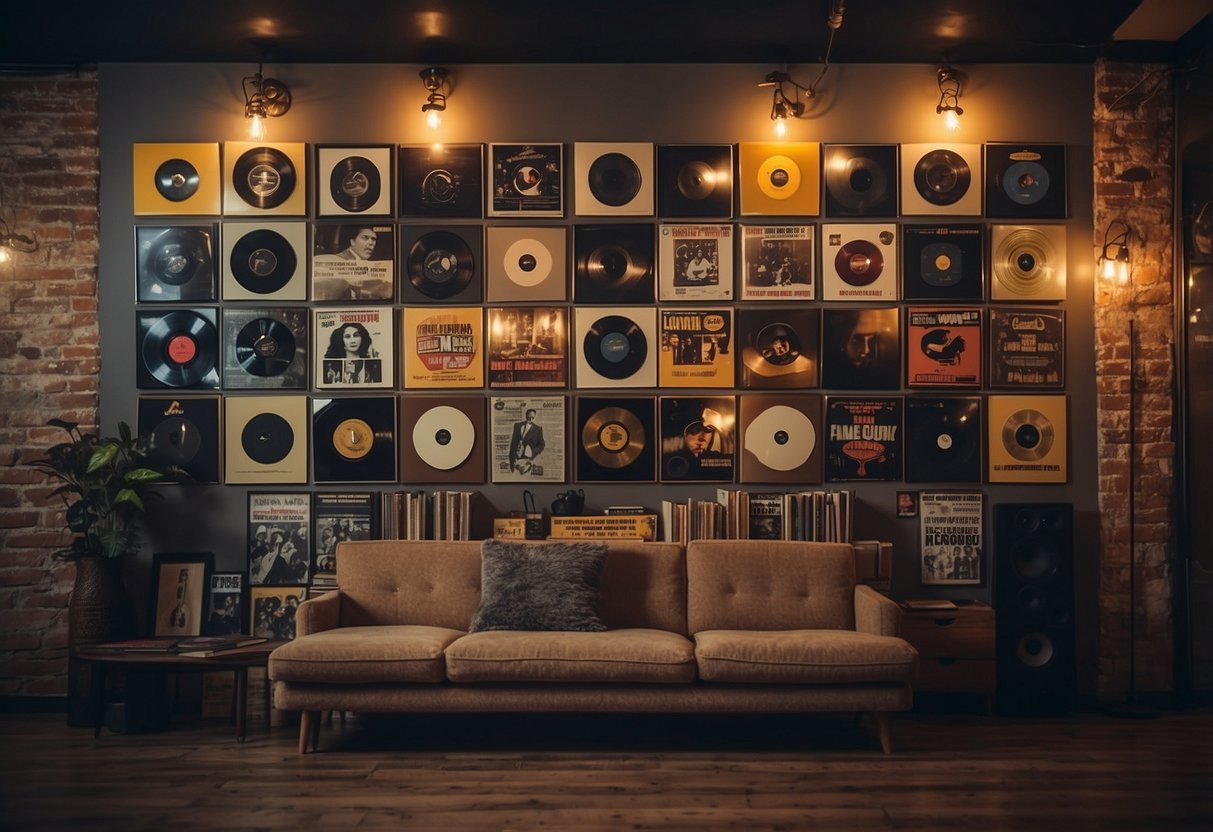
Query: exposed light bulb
pixel 781 127
pixel 256 128
pixel 433 119
pixel 1108 270
pixel 5 256
pixel 950 120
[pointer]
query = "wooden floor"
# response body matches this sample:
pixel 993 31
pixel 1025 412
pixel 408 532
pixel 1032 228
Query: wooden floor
pixel 1087 771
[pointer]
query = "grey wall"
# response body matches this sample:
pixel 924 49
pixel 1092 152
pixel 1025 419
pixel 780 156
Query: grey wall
pixel 659 103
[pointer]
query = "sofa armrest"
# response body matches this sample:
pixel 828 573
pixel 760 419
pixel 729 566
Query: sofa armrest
pixel 875 613
pixel 321 613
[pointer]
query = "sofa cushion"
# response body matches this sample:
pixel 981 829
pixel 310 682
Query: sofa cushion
pixel 803 657
pixel 359 655
pixel 637 655
pixel 539 587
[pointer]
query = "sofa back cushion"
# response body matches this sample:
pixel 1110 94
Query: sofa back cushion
pixel 644 586
pixel 770 585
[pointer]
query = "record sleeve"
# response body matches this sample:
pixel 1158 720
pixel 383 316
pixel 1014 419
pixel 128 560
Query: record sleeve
pixel 613 263
pixel 336 518
pixel 176 178
pixel 265 348
pixel 441 264
pixel 943 439
pixel 1028 262
pixel 696 348
pixel 443 347
pixel 696 262
pixel 175 263
pixel 861 180
pixel 695 180
pixel 353 263
pixel 442 180
pixel 354 439
pixel 272 611
pixel 265 439
pixel 777 262
pixel 860 349
pixel 863 439
pixel 1027 438
pixel 354 348
pixel 354 180
pixel 227 604
pixel 526 263
pixel 183 432
pixel 779 347
pixel 943 347
pixel 698 438
pixel 781 438
pixel 264 261
pixel 1025 181
pixel 525 180
pixel 941 179
pixel 1027 347
pixel 613 179
pixel 859 262
pixel 616 439
pixel 943 262
pixel 177 348
pixel 263 178
pixel 527 439
pixel 950 537
pixel 616 346
pixel 278 528
pixel 779 178
pixel 528 346
pixel 443 439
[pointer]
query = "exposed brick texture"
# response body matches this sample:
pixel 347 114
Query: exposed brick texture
pixel 1134 127
pixel 49 356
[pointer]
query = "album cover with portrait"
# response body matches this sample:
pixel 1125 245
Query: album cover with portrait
pixel 527 438
pixel 943 347
pixel 698 438
pixel 528 346
pixel 442 180
pixel 860 348
pixel 696 262
pixel 443 347
pixel 354 348
pixel 354 180
pixel 696 347
pixel 779 347
pixel 863 439
pixel 353 263
pixel 278 549
pixel 777 262
pixel 525 180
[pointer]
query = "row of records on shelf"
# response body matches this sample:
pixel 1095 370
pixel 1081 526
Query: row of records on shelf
pixel 613 263
pixel 468 438
pixel 1001 179
pixel 555 347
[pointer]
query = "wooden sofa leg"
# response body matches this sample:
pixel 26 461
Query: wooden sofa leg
pixel 882 725
pixel 307 722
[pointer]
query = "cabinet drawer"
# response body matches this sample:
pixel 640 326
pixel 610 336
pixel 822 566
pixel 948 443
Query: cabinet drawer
pixel 956 675
pixel 963 634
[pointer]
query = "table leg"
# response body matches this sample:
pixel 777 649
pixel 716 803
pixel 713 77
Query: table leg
pixel 98 681
pixel 269 699
pixel 241 701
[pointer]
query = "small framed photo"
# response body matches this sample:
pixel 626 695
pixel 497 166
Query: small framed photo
pixel 227 604
pixel 179 587
pixel 907 503
pixel 273 611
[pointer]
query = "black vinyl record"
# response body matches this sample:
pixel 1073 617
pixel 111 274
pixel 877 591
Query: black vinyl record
pixel 184 432
pixel 615 440
pixel 614 179
pixel 943 439
pixel 1026 181
pixel 354 440
pixel 177 180
pixel 943 262
pixel 440 264
pixel 265 347
pixel 175 441
pixel 264 177
pixel 861 180
pixel 942 177
pixel 695 180
pixel 614 264
pixel 354 184
pixel 175 263
pixel 267 438
pixel 441 180
pixel 178 349
pixel 615 347
pixel 263 261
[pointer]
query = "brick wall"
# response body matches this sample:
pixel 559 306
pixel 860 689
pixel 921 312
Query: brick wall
pixel 1134 128
pixel 49 354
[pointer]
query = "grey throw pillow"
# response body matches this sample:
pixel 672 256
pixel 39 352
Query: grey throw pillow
pixel 527 586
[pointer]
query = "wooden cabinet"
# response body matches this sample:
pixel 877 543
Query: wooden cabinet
pixel 955 648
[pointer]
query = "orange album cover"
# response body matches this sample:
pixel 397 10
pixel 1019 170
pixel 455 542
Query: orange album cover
pixel 696 348
pixel 443 347
pixel 176 178
pixel 943 347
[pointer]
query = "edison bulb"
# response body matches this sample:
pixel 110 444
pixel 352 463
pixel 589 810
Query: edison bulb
pixel 433 119
pixel 256 128
pixel 4 254
pixel 951 120
pixel 781 127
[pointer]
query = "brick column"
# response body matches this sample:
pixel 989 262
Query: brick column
pixel 49 355
pixel 1135 182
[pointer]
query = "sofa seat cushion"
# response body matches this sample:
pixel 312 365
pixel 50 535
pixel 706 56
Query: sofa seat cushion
pixel 637 655
pixel 803 657
pixel 365 655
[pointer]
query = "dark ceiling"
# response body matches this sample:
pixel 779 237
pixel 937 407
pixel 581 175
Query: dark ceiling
pixel 570 31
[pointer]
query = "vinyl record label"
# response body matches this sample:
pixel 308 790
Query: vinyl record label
pixel 178 349
pixel 615 439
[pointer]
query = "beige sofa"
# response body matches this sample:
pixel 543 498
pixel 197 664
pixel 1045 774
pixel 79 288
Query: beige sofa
pixel 720 627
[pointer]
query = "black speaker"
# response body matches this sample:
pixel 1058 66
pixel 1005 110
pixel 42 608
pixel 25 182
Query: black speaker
pixel 1034 606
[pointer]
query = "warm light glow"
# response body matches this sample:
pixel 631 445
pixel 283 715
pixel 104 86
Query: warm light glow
pixel 256 128
pixel 1122 271
pixel 433 119
pixel 1108 271
pixel 5 256
pixel 781 127
pixel 951 120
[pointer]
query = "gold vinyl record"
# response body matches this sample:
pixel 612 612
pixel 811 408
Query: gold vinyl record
pixel 613 437
pixel 779 177
pixel 776 352
pixel 353 438
pixel 1028 262
pixel 1027 435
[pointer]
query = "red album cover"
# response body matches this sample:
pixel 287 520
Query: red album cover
pixel 943 347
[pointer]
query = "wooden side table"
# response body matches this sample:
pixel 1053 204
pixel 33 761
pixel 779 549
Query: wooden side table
pixel 955 649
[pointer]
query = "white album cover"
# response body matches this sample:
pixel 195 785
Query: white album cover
pixel 354 181
pixel 940 179
pixel 696 262
pixel 859 261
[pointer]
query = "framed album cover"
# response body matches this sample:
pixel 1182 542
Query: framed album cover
pixel 265 348
pixel 781 438
pixel 943 347
pixel 1027 348
pixel 777 262
pixel 178 348
pixel 183 431
pixel 861 348
pixel 261 178
pixel 859 262
pixel 616 439
pixel 526 263
pixel 443 439
pixel 1027 438
pixel 698 438
pixel 442 180
pixel 339 516
pixel 863 439
pixel 354 179
pixel 355 348
pixel 353 262
pixel 179 178
pixel 441 264
pixel 950 537
pixel 527 439
pixel 179 585
pixel 273 611
pixel 354 439
pixel 943 439
pixel 860 180
pixel 525 180
pixel 613 179
pixel 696 262
pixel 176 263
pixel 695 180
pixel 278 525
pixel 779 347
pixel 616 346
pixel 696 348
pixel 443 347
pixel 264 261
pixel 943 263
pixel 265 439
pixel 528 346
pixel 227 604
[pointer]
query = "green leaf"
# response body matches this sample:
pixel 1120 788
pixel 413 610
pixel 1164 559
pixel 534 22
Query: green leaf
pixel 59 423
pixel 101 457
pixel 124 431
pixel 127 495
pixel 142 475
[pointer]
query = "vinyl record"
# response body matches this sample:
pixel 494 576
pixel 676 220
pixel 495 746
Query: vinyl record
pixel 1026 182
pixel 353 440
pixel 267 438
pixel 696 180
pixel 858 184
pixel 778 177
pixel 263 261
pixel 440 264
pixel 443 437
pixel 942 177
pixel 175 257
pixel 613 437
pixel 615 347
pixel 943 440
pixel 354 184
pixel 1024 262
pixel 527 262
pixel 781 437
pixel 180 349
pixel 177 180
pixel 175 441
pixel 776 351
pixel 265 347
pixel 614 179
pixel 1027 435
pixel 440 187
pixel 612 267
pixel 859 262
pixel 941 265
pixel 264 177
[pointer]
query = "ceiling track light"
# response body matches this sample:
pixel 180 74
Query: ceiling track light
pixel 263 98
pixel 435 80
pixel 950 84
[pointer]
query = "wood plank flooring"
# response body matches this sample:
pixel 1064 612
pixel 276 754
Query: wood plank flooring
pixel 1087 771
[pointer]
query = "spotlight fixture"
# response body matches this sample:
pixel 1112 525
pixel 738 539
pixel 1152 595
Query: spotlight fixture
pixel 782 106
pixel 1114 262
pixel 950 82
pixel 434 79
pixel 263 98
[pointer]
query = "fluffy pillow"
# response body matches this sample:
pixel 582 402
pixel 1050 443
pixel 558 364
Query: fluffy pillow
pixel 526 586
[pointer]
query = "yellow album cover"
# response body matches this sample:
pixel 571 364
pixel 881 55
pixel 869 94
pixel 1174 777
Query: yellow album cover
pixel 696 348
pixel 443 347
pixel 780 178
pixel 176 178
pixel 1027 438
